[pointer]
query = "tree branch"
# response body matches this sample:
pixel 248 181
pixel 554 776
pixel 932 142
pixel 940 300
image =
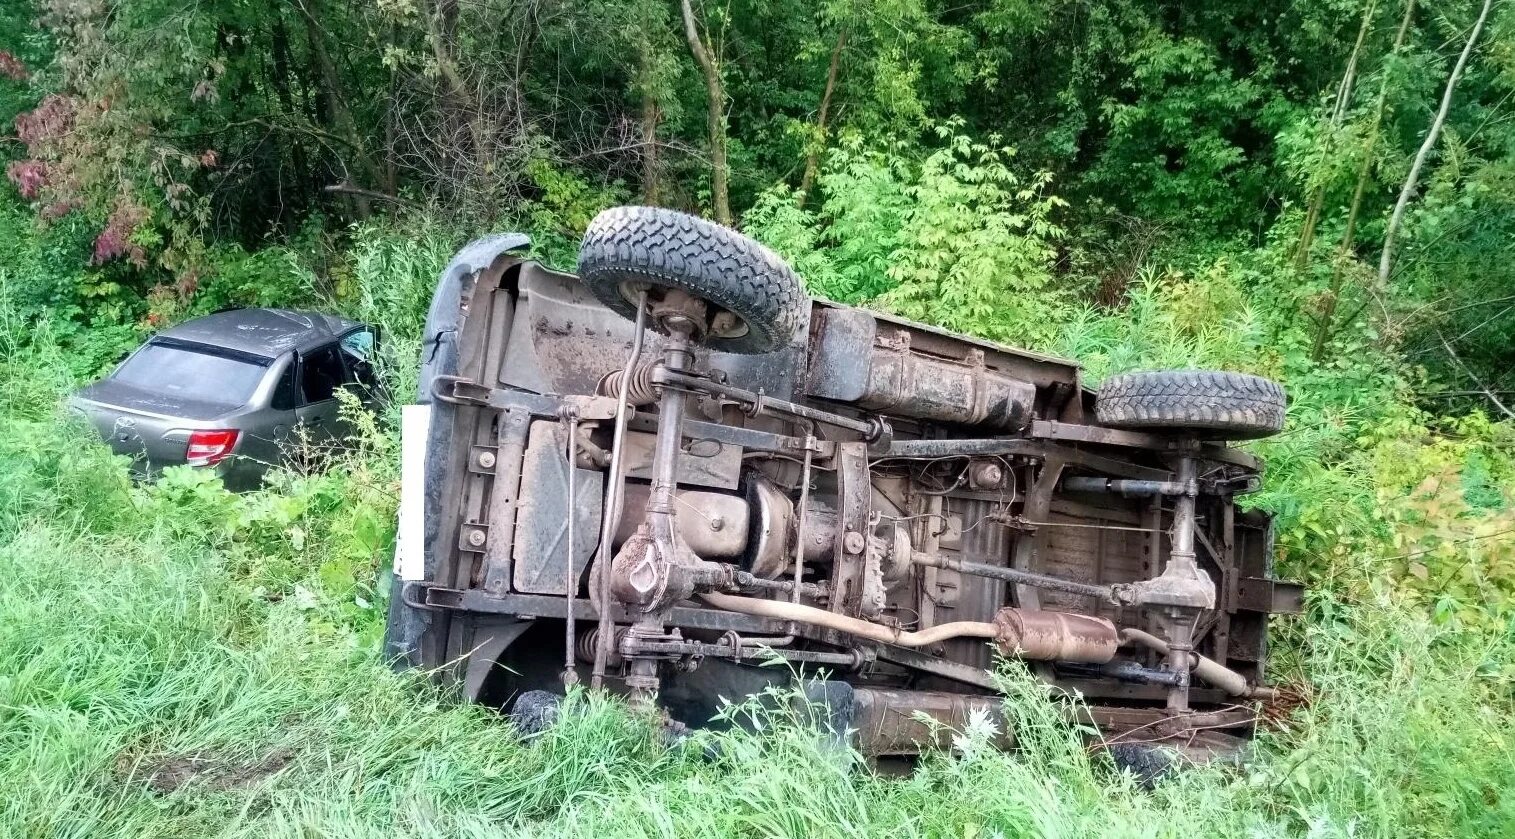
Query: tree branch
pixel 1481 386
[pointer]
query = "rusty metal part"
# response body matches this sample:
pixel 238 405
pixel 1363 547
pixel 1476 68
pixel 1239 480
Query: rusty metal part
pixel 986 474
pixel 677 311
pixel 799 526
pixel 648 570
pixel 712 524
pixel 855 361
pixel 1115 594
pixel 1182 584
pixel 1122 669
pixel 857 577
pixel 749 439
pixel 638 383
pixel 895 553
pixel 1208 670
pixel 672 646
pixel 587 643
pixel 547 508
pixel 906 722
pixel 701 461
pixel 1182 590
pixel 1126 486
pixel 1079 433
pixel 909 384
pixel 1038 635
pixel 757 404
pixel 1269 596
pixel 1127 723
pixel 935 448
pixel 514 425
pixel 851 626
pixel 647 577
pixel 590 456
pixel 768 542
pixel 457 390
pixel 612 514
pixel 1056 636
pixel 777 542
pixel 570 577
pixel 745 581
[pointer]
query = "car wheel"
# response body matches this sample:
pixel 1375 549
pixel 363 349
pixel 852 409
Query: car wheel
pixel 1150 764
pixel 627 250
pixel 1212 403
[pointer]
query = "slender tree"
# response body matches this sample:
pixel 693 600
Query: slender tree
pixel 708 57
pixel 1327 321
pixel 818 141
pixel 1412 180
pixel 1338 115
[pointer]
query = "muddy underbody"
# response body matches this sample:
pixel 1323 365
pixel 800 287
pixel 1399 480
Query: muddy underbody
pixel 609 498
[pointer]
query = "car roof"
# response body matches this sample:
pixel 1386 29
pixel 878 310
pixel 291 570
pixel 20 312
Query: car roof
pixel 263 332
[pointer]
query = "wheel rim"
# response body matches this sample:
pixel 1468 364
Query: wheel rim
pixel 721 323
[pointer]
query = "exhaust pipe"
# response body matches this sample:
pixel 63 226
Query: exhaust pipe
pixel 1052 636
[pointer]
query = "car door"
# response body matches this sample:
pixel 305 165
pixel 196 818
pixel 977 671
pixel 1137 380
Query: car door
pixel 270 432
pixel 321 375
pixel 359 349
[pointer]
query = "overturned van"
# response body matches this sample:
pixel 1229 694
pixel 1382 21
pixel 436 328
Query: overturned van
pixel 662 473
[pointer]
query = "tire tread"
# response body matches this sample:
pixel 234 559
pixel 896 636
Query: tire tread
pixel 668 248
pixel 1233 405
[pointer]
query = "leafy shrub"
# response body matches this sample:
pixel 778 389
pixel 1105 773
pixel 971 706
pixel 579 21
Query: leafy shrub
pixel 976 251
pixel 956 240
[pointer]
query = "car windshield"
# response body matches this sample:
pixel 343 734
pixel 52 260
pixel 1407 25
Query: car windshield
pixel 192 374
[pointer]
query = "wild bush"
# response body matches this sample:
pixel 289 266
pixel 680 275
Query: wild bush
pixel 956 239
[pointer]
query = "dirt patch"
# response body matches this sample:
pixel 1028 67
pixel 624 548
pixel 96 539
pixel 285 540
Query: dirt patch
pixel 164 774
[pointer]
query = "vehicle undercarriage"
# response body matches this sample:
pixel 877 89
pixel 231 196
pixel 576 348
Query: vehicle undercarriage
pixel 655 475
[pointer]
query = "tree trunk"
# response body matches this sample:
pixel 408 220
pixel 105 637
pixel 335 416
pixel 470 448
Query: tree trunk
pixel 280 54
pixel 335 104
pixel 652 114
pixel 715 115
pixel 1338 114
pixel 818 142
pixel 1386 259
pixel 1325 325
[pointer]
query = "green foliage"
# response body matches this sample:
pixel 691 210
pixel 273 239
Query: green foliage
pixel 976 251
pixel 957 239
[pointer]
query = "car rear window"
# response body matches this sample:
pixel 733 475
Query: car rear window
pixel 190 373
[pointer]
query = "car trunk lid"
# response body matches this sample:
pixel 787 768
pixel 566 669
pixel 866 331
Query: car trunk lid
pixel 148 426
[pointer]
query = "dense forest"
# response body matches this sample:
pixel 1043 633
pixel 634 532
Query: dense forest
pixel 1354 156
pixel 1322 192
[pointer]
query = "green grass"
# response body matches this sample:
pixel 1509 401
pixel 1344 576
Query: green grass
pixel 179 661
pixel 163 673
pixel 149 692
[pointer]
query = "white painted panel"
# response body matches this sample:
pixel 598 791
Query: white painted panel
pixel 410 554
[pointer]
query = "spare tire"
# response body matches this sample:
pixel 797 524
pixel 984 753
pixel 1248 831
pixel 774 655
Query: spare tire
pixel 1213 403
pixel 630 249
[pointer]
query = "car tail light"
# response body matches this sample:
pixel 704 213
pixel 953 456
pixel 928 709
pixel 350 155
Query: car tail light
pixel 207 448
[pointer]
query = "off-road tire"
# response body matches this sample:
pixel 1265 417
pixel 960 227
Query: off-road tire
pixel 627 246
pixel 1213 403
pixel 1150 763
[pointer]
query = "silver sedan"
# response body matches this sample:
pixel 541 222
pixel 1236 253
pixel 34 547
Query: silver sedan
pixel 235 391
